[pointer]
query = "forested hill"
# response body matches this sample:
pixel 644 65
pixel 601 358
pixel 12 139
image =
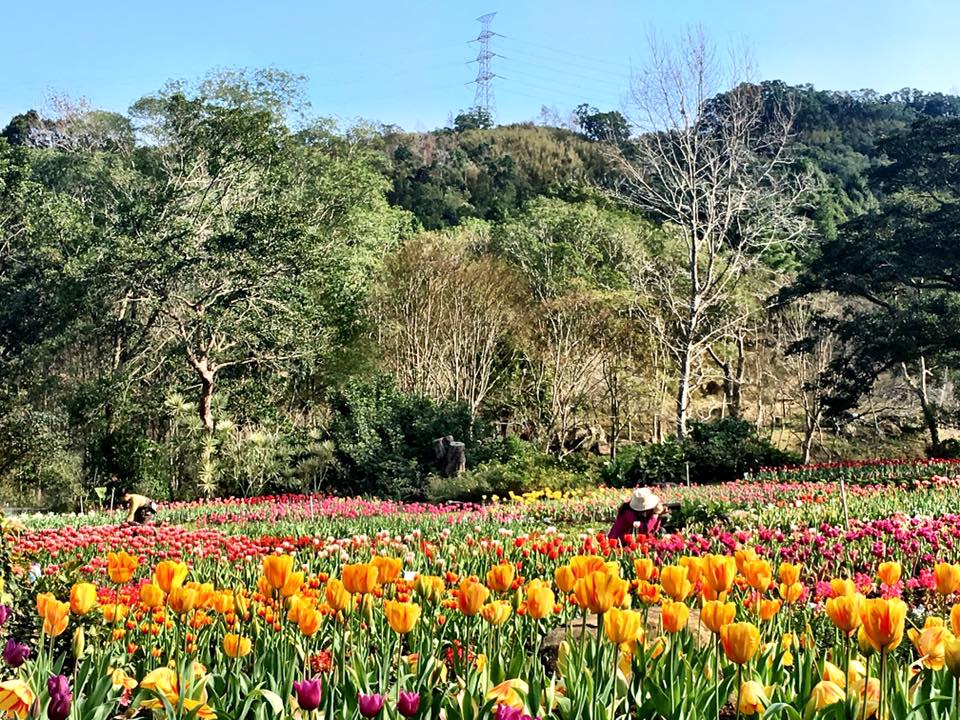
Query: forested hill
pixel 474 170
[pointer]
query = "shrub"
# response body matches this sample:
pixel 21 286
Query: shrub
pixel 383 438
pixel 718 450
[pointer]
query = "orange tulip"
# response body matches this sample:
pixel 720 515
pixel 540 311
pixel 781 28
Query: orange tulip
pixel 360 579
pixel 844 611
pixel 600 591
pixel 674 616
pixel 623 626
pixel 789 573
pixel 643 567
pixel 83 598
pixel 151 595
pixel 471 596
pixel 648 593
pixel 500 577
pixel 769 609
pixel 388 569
pixel 308 621
pixel 719 572
pixel 337 596
pixel 292 585
pixel 883 622
pixel 583 565
pixel 169 574
pixel 121 566
pixel 182 600
pixel 540 600
pixel 402 616
pixel 716 614
pixel 740 641
pixel 236 646
pixel 889 573
pixel 675 582
pixel 564 578
pixel 947 577
pixel 758 574
pixel 277 569
pixel 56 616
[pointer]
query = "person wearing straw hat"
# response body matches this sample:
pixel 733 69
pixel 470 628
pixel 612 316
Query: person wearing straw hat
pixel 640 515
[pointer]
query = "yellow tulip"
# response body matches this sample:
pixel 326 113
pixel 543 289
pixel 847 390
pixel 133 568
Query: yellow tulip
pixel 151 595
pixel 889 573
pixel 388 569
pixel 56 617
pixel 83 598
pixel 947 578
pixel 834 674
pixel 599 591
pixel 883 622
pixel 754 698
pixel 675 581
pixel 540 600
pixel 564 578
pixel 951 655
pixel 182 600
pixel 842 586
pixel 500 577
pixel 844 611
pixel 715 614
pixel 758 574
pixel 824 694
pixel 337 596
pixel 930 643
pixel 236 646
pixel 623 626
pixel 16 698
pixel 719 572
pixel 643 567
pixel 496 612
pixel 789 573
pixel 308 621
pixel 740 641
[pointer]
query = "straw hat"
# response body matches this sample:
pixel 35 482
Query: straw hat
pixel 643 499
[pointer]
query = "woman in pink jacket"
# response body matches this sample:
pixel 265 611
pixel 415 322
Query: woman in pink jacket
pixel 638 516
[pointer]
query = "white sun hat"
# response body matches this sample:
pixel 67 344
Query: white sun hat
pixel 643 499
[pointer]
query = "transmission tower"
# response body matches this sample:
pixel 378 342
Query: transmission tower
pixel 483 97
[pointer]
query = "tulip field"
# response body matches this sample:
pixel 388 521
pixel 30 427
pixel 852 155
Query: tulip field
pixel 783 596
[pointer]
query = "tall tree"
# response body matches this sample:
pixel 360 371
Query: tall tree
pixel 898 270
pixel 713 162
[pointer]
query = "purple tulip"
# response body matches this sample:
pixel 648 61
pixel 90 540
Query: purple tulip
pixel 408 703
pixel 15 654
pixel 370 705
pixel 60 698
pixel 4 614
pixel 308 694
pixel 505 712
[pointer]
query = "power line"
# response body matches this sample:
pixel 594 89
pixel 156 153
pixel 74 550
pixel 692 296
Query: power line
pixel 567 53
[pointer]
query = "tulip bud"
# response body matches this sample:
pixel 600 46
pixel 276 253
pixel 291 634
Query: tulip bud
pixel 951 655
pixel 368 608
pixel 79 642
pixel 866 647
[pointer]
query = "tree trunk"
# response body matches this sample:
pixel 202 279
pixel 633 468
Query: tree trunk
pixel 683 392
pixel 927 408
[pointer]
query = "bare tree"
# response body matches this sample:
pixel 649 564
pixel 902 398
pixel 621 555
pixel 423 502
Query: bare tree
pixel 716 167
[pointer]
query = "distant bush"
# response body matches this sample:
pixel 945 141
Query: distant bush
pixel 383 438
pixel 718 450
pixel 528 469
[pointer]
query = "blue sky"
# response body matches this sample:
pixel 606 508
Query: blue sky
pixel 406 62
